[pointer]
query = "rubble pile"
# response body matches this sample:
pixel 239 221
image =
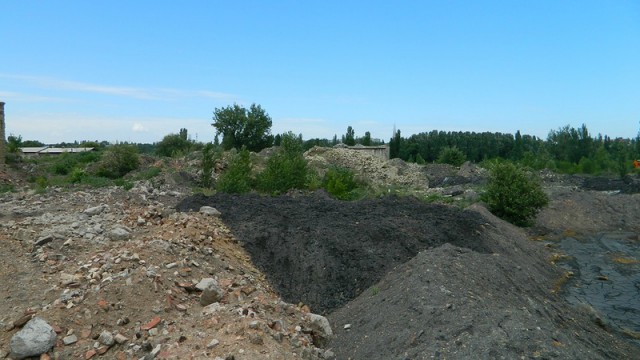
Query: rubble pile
pixel 119 274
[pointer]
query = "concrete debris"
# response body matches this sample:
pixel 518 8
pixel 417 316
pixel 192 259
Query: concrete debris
pixel 35 338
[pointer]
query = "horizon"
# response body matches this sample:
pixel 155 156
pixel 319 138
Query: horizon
pixel 137 72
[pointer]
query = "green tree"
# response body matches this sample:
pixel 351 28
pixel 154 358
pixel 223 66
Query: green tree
pixel 32 143
pixel 174 144
pixel 117 161
pixel 366 140
pixel 14 143
pixel 350 137
pixel 236 179
pixel 452 155
pixel 340 182
pixel 208 162
pixel 241 127
pixel 394 145
pixel 513 195
pixel 286 169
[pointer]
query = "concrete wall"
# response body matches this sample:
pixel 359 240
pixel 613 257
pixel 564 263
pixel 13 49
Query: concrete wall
pixel 2 137
pixel 381 152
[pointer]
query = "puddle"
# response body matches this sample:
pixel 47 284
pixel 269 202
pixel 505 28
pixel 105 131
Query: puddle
pixel 606 271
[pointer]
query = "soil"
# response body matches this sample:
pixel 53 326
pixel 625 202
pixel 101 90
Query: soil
pixel 400 279
pixel 396 277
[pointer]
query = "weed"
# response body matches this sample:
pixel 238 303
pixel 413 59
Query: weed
pixel 560 282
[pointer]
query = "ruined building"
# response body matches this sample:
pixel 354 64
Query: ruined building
pixel 2 138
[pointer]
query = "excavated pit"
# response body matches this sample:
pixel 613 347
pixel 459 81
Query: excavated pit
pixel 324 252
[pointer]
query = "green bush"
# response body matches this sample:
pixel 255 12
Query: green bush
pixel 340 183
pixel 147 174
pixel 117 161
pixel 173 145
pixel 64 164
pixel 236 179
pixel 4 188
pixel 125 184
pixel 77 175
pixel 452 155
pixel 286 169
pixel 208 162
pixel 513 195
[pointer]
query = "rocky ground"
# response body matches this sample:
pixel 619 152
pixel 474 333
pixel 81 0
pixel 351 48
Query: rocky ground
pixel 116 275
pixel 148 273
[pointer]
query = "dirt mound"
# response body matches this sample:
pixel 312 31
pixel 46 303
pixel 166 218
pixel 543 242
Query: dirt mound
pixel 324 252
pixel 375 171
pixel 123 263
pixel 573 210
pixel 427 281
pixel 454 303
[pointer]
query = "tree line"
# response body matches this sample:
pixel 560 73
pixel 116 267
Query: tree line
pixel 566 149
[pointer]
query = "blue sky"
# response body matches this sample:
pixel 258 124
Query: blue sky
pixel 138 70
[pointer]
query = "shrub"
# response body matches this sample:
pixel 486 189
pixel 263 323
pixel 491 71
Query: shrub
pixel 146 174
pixel 208 162
pixel 64 164
pixel 76 175
pixel 237 178
pixel 340 183
pixel 173 145
pixel 452 156
pixel 286 169
pixel 117 161
pixel 513 195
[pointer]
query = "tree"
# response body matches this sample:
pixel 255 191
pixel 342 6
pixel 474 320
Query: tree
pixel 286 169
pixel 349 137
pixel 241 127
pixel 452 156
pixel 208 163
pixel 513 195
pixel 366 140
pixel 341 183
pixel 174 144
pixel 117 161
pixel 14 143
pixel 394 145
pixel 236 179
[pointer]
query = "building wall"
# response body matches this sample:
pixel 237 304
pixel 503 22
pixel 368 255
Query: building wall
pixel 2 137
pixel 381 152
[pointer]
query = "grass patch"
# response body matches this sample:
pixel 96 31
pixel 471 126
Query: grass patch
pixel 147 174
pixel 5 188
pixel 204 191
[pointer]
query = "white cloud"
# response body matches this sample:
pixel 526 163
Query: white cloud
pixel 138 127
pixel 165 94
pixel 54 128
pixel 20 97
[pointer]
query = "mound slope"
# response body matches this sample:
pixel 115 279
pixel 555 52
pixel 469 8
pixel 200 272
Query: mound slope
pixel 401 279
pixel 324 252
pixel 453 303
